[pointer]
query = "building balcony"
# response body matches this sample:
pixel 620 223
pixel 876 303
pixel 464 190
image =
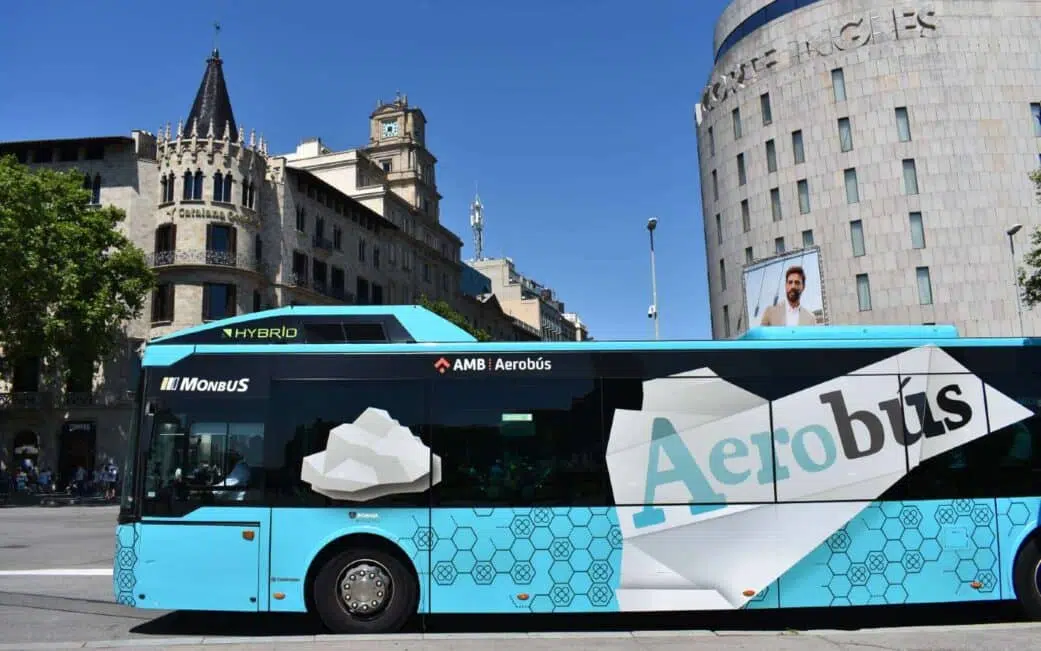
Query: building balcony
pixel 35 400
pixel 321 288
pixel 17 400
pixel 204 257
pixel 322 244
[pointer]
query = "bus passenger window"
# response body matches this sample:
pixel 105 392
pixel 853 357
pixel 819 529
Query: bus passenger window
pixel 516 442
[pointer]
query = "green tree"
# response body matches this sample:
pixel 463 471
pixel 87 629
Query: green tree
pixel 444 310
pixel 1030 274
pixel 69 278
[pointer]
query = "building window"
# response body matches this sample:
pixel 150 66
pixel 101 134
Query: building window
pixel 807 238
pixel 726 321
pixel 711 142
pixel 838 84
pixel 771 156
pixel 163 303
pixel 845 135
pixel 910 177
pixel 749 255
pixel 741 177
pixel 1035 109
pixel 863 292
pixel 917 230
pixel 301 220
pixel 93 186
pixel 218 301
pixel 775 204
pixel 192 186
pixel 778 245
pixel 361 250
pixel 715 186
pixel 852 191
pixel 798 153
pixel 722 275
pixel 248 196
pixel 764 104
pixel 803 187
pixel 165 243
pixel 387 165
pixel 925 287
pixel 746 216
pixel 337 238
pixel 166 188
pixel 719 228
pixel 735 117
pixel 222 187
pixel 221 244
pixel 256 301
pixel 856 236
pixel 903 124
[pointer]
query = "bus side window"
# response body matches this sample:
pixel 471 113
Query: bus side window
pixel 519 442
pixel 1004 463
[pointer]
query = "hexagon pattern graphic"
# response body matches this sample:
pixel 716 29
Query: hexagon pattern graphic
pixel 902 552
pixel 1017 517
pixel 523 559
pixel 124 577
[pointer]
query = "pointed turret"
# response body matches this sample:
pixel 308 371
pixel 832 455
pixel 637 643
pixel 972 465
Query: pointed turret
pixel 212 104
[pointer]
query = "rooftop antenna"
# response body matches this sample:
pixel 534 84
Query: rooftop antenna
pixel 477 225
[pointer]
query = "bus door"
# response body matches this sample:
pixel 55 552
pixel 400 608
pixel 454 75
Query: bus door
pixel 203 535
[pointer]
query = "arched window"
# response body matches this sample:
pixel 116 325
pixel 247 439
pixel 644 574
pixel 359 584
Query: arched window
pixel 228 183
pixel 189 181
pixel 164 188
pixel 218 186
pixel 171 179
pixel 197 188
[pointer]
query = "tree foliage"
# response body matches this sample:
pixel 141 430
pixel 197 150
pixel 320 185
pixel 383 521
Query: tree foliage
pixel 1030 274
pixel 68 277
pixel 443 309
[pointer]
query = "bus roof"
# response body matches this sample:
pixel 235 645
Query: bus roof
pixel 411 328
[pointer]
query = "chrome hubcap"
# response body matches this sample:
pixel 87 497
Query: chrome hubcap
pixel 365 588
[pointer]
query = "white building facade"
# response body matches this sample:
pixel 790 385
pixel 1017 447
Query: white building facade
pixel 893 138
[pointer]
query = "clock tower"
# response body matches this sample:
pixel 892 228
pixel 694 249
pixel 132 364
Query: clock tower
pixel 397 143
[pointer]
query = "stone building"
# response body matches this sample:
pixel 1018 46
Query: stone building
pixel 890 140
pixel 231 229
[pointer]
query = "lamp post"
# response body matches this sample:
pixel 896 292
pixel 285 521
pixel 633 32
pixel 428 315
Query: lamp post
pixel 653 311
pixel 1011 232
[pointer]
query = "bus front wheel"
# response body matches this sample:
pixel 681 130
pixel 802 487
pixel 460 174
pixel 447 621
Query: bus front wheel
pixel 1026 577
pixel 364 591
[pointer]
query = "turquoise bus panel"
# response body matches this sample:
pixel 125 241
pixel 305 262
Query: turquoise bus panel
pixel 212 559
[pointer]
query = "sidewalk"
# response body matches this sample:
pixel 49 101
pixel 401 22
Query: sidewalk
pixel 982 637
pixel 53 499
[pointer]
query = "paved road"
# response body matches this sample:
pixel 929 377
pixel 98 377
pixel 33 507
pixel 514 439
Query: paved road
pixel 48 611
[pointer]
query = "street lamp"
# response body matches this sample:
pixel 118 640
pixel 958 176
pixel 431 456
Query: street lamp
pixel 1011 232
pixel 652 312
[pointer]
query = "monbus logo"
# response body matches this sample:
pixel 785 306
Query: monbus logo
pixel 195 384
pixel 281 333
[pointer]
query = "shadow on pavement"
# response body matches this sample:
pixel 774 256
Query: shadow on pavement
pixel 272 624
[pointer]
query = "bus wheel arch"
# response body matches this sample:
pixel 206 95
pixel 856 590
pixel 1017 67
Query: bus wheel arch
pixel 378 554
pixel 1026 575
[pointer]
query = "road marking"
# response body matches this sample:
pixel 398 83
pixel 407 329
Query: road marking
pixel 92 571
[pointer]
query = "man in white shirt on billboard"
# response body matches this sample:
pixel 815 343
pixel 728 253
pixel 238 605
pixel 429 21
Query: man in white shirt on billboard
pixel 790 312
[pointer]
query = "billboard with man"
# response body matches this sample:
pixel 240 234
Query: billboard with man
pixel 785 290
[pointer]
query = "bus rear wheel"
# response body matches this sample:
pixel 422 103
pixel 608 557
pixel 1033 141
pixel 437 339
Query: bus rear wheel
pixel 1026 578
pixel 364 591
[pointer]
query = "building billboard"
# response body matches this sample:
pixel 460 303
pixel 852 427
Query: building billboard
pixel 776 294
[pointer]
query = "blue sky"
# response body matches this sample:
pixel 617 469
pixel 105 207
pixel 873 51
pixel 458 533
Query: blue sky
pixel 572 117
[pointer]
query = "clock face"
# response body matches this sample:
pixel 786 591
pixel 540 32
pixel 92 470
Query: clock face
pixel 390 128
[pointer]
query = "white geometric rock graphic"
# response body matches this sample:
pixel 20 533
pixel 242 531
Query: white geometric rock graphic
pixel 372 457
pixel 723 555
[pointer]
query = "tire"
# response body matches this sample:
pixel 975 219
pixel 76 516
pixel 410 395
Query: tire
pixel 389 612
pixel 1026 578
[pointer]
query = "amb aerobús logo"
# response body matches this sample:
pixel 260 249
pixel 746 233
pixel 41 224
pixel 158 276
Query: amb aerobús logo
pixel 203 385
pixel 483 364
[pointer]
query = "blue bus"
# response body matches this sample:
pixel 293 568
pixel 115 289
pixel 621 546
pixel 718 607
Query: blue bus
pixel 370 463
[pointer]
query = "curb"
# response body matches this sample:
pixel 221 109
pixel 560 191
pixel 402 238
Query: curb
pixel 148 642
